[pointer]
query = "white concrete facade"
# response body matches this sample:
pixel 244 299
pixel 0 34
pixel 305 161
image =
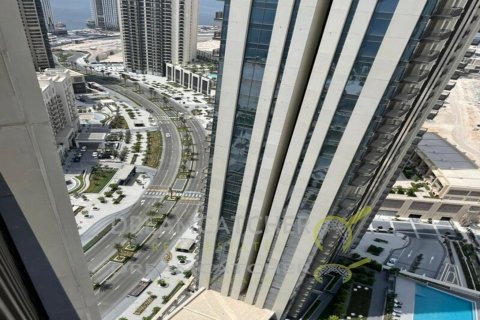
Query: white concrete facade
pixel 334 90
pixel 35 27
pixel 57 91
pixel 31 167
pixel 156 32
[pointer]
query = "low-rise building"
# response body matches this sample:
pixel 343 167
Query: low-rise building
pixel 59 98
pixel 439 182
pixel 189 78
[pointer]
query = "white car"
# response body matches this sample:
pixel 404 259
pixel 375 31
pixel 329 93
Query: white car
pixel 95 154
pixel 391 262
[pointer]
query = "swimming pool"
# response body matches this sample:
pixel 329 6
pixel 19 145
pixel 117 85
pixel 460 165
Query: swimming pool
pixel 432 304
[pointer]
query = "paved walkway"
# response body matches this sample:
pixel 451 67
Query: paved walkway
pixel 405 290
pixel 379 292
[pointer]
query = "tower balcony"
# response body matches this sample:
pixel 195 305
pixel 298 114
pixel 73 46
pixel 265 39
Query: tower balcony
pixel 349 203
pixel 397 110
pixel 416 77
pixel 437 35
pixel 406 96
pixel 426 57
pixel 361 180
pixel 448 13
pixel 373 157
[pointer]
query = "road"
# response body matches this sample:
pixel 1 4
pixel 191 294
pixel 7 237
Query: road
pixel 182 216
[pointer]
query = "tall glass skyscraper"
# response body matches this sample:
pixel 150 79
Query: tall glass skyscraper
pixel 318 103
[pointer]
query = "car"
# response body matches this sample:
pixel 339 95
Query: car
pixel 95 208
pixel 391 262
pixel 95 154
pixel 167 135
pixel 83 149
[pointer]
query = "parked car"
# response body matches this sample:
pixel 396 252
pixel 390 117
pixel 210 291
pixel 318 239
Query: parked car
pixel 95 154
pixel 391 262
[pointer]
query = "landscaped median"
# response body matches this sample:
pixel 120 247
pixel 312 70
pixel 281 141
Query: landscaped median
pixel 99 178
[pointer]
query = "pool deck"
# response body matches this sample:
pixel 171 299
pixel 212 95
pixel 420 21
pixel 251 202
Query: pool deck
pixel 405 290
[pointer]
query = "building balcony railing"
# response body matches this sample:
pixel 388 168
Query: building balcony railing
pixel 361 180
pixel 380 144
pixel 416 77
pixel 397 110
pixel 448 13
pixel 406 96
pixel 437 35
pixel 426 57
pixel 349 203
pixel 373 157
pixel 389 129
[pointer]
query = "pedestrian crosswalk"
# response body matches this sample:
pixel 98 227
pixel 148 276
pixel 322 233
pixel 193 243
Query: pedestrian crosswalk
pixel 193 195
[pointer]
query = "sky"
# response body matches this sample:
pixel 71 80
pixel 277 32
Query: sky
pixel 74 13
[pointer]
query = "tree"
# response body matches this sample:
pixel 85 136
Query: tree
pixel 165 101
pixel 129 237
pixel 97 58
pixel 157 205
pixel 123 154
pixel 118 247
pixel 103 72
pixel 151 214
pixel 128 136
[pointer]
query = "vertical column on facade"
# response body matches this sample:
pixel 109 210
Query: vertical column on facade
pixel 398 34
pixel 276 47
pixel 226 116
pixel 465 31
pixel 325 53
pixel 338 82
pixel 304 44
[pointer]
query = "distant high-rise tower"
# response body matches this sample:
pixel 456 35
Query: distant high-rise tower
pixel 318 103
pixel 35 27
pixel 158 31
pixel 43 272
pixel 48 15
pixel 105 14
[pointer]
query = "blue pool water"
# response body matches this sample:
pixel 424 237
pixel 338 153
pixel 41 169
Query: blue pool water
pixel 432 304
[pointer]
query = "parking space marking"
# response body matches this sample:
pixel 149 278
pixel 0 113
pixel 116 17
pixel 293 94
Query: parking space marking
pixel 414 229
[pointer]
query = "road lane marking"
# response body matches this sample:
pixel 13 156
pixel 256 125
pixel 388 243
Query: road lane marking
pixel 116 288
pixel 173 235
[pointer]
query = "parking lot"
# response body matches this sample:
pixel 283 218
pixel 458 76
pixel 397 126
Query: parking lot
pixel 425 252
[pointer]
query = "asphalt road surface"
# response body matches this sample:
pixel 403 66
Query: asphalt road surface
pixel 115 291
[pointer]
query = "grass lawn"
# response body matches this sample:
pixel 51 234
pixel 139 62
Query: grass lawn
pixel 80 178
pixel 119 122
pixel 154 149
pixel 359 301
pixel 99 178
pixel 134 159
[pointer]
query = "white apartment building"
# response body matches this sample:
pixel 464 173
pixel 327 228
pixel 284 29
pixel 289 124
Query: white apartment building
pixel 43 269
pixel 35 27
pixel 156 32
pixel 105 14
pixel 319 102
pixel 57 91
pixel 48 15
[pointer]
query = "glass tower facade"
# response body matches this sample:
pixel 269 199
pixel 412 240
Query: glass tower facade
pixel 312 119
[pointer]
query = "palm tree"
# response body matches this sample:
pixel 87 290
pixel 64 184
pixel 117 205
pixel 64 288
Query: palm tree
pixel 129 237
pixel 118 247
pixel 158 205
pixel 151 214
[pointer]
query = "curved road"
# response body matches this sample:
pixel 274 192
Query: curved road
pixel 182 217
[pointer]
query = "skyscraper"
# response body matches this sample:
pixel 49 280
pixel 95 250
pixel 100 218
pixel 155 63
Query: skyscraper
pixel 35 26
pixel 155 32
pixel 318 103
pixel 105 14
pixel 43 270
pixel 48 15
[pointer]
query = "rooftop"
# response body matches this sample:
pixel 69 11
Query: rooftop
pixel 211 305
pixel 124 172
pixel 452 164
pixel 92 136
